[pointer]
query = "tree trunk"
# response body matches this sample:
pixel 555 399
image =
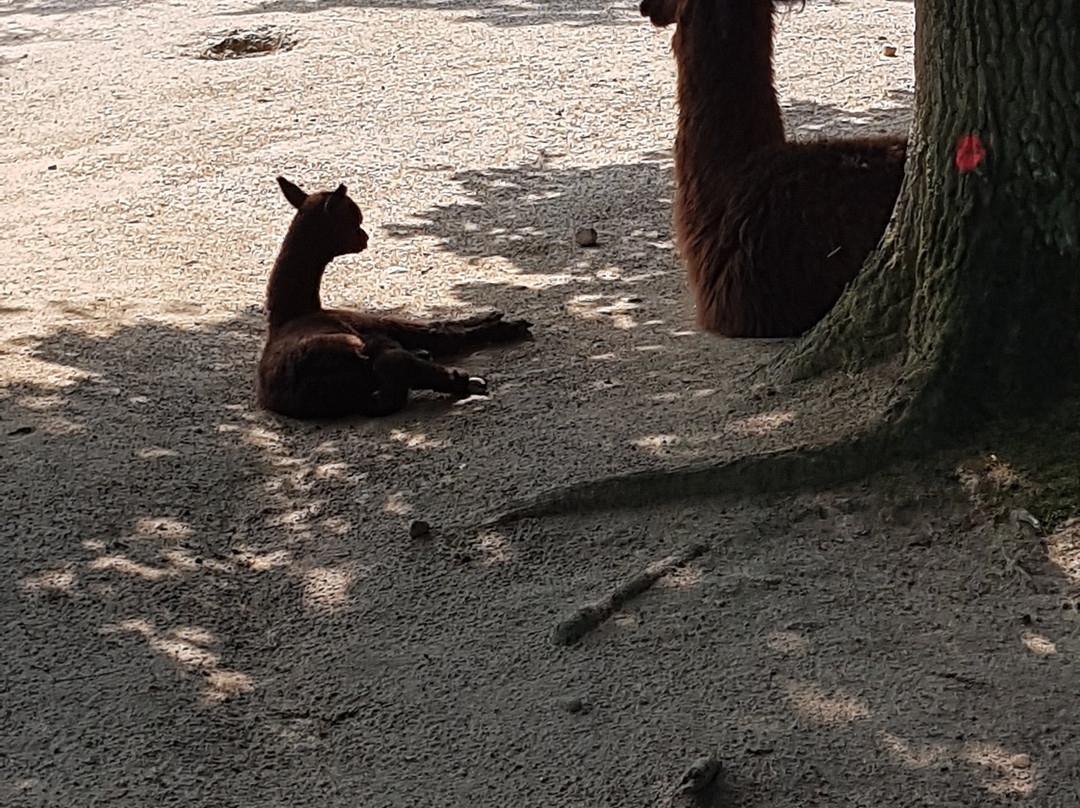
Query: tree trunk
pixel 976 284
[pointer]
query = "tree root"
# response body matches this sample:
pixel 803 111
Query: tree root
pixel 588 617
pixel 788 470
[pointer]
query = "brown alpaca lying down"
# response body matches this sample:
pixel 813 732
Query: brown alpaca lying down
pixel 771 232
pixel 328 363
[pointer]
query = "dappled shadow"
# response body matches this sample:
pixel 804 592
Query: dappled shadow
pixel 168 549
pixel 493 12
pixel 529 215
pixel 874 622
pixel 155 428
pixel 163 480
pixel 809 120
pixel 44 8
pixel 239 593
pixel 179 562
pixel 16 36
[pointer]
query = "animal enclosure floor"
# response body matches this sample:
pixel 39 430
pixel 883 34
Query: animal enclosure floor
pixel 208 605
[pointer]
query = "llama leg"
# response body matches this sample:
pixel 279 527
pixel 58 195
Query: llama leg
pixel 484 329
pixel 402 368
pixel 444 337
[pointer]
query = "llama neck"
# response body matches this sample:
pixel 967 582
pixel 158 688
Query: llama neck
pixel 293 288
pixel 727 101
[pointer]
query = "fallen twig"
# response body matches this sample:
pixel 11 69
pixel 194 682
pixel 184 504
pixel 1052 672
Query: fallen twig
pixel 588 617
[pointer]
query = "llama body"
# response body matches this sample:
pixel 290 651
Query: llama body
pixel 771 231
pixel 328 363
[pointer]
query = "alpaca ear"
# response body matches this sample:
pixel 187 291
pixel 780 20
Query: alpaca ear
pixel 335 197
pixel 295 196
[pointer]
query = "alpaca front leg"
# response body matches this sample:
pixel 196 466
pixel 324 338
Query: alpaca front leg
pixel 402 368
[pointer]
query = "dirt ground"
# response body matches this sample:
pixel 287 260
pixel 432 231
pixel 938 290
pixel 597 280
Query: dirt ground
pixel 207 605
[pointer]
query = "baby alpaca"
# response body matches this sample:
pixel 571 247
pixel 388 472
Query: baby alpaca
pixel 330 363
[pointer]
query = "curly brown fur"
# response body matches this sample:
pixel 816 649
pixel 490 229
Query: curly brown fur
pixel 328 363
pixel 771 231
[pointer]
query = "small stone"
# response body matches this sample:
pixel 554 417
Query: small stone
pixel 585 237
pixel 1021 761
pixel 702 773
pixel 419 529
pixel 574 705
pixel 52 167
pixel 888 50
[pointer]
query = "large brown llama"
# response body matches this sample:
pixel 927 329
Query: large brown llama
pixel 329 363
pixel 771 231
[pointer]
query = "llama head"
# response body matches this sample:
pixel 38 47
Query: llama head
pixel 330 216
pixel 662 13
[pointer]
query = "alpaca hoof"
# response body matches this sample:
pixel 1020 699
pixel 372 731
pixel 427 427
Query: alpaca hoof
pixel 477 386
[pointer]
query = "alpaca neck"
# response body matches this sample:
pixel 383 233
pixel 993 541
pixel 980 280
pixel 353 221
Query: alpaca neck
pixel 293 288
pixel 727 101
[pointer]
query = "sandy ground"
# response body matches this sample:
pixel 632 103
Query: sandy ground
pixel 206 605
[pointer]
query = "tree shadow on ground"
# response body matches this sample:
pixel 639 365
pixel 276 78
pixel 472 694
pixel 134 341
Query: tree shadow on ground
pixel 215 595
pixel 495 12
pixel 808 120
pixel 168 551
pixel 47 8
pixel 529 215
pixel 889 651
pixel 16 37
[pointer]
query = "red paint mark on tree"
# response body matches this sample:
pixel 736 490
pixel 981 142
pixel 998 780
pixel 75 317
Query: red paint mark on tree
pixel 969 153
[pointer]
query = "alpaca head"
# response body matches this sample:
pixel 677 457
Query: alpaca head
pixel 331 217
pixel 663 13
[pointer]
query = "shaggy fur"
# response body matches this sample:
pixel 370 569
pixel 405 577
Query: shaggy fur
pixel 328 363
pixel 771 231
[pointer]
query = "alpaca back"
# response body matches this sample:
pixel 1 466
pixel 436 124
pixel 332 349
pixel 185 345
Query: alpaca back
pixel 798 222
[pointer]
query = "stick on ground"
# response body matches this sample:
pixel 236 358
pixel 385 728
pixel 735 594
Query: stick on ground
pixel 588 617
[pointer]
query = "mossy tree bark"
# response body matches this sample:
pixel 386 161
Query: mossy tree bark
pixel 976 284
